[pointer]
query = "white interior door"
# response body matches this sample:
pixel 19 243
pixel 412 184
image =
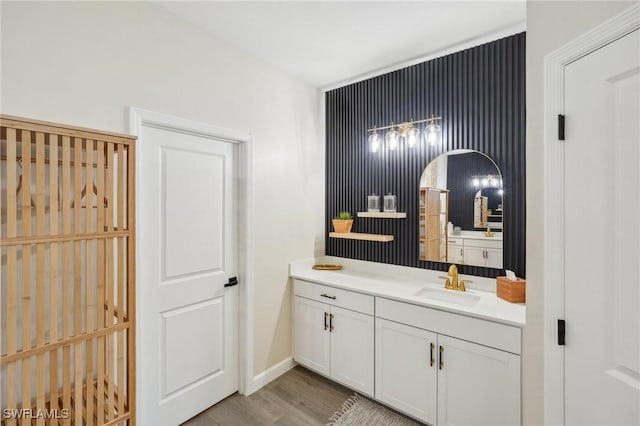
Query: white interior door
pixel 602 236
pixel 187 325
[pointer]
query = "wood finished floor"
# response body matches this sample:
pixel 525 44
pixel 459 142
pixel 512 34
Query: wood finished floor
pixel 299 397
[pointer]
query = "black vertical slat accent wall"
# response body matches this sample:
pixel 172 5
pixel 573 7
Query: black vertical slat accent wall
pixel 480 93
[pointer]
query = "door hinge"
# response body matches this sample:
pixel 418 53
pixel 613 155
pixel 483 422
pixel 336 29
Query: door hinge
pixel 232 281
pixel 560 127
pixel 561 331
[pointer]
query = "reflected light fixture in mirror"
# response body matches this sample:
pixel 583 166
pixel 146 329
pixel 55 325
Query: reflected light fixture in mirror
pixel 408 132
pixel 487 181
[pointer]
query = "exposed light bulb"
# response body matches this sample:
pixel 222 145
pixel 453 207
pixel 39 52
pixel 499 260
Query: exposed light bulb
pixel 374 141
pixel 392 139
pixel 485 182
pixel 476 182
pixel 433 133
pixel 412 137
pixel 501 192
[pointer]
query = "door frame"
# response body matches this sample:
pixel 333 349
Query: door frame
pixel 554 63
pixel 137 119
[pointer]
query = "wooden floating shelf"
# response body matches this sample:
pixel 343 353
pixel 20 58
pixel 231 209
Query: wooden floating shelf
pixel 385 215
pixel 359 236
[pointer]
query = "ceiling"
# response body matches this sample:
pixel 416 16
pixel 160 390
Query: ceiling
pixel 336 42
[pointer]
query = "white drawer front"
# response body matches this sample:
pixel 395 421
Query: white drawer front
pixel 335 296
pixel 470 242
pixel 455 241
pixel 499 336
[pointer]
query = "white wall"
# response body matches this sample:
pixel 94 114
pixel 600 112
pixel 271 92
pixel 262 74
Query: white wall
pixel 86 63
pixel 550 25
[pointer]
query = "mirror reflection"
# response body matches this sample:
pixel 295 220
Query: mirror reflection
pixel 461 212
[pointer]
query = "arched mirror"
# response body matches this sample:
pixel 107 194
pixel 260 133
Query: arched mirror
pixel 461 210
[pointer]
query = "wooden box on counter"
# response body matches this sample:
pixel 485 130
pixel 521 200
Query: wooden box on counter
pixel 511 291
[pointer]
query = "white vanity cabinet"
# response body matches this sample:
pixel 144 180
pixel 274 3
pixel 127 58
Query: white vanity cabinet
pixel 455 250
pixel 406 369
pixel 477 385
pixel 475 251
pixel 334 334
pixel 483 252
pixel 473 378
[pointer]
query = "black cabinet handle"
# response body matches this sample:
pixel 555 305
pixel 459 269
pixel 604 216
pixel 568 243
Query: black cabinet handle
pixel 330 322
pixel 232 281
pixel 327 296
pixel 325 320
pixel 441 357
pixel 431 355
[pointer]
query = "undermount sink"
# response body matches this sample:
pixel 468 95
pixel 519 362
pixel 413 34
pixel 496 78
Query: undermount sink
pixel 450 296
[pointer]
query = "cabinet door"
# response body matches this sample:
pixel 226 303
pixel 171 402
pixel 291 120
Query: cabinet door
pixel 311 340
pixel 477 385
pixel 406 369
pixel 352 349
pixel 494 258
pixel 474 256
pixel 455 252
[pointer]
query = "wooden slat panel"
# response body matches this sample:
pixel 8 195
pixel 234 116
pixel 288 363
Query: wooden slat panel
pixel 63 130
pixel 40 273
pixel 77 275
pixel 77 227
pixel 26 267
pixel 109 267
pixel 18 241
pixel 93 250
pixel 100 222
pixel 90 280
pixel 63 343
pixel 66 273
pixel 12 276
pixel 120 189
pixel 53 273
pixel 131 291
pixel 78 357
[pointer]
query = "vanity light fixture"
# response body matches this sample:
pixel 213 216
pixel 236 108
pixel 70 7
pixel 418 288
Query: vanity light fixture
pixel 407 131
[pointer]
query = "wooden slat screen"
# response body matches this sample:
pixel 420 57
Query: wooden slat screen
pixel 68 296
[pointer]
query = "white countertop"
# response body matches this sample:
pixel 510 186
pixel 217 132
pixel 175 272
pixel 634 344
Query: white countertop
pixel 477 235
pixel 402 283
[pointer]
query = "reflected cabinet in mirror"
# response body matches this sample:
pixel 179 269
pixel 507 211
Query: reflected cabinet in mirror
pixel 461 210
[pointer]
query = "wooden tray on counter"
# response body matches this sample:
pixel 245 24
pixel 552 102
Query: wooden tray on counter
pixel 327 267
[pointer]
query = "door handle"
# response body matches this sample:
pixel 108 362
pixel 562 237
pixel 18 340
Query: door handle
pixel 431 354
pixel 441 357
pixel 232 281
pixel 325 320
pixel 330 322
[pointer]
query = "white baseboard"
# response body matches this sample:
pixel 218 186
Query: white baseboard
pixel 271 374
